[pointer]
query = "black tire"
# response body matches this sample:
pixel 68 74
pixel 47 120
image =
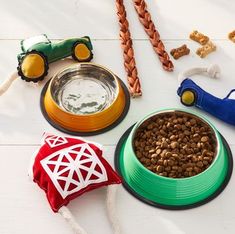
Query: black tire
pixel 76 58
pixel 30 79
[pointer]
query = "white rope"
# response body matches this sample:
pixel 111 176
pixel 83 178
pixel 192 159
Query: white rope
pixel 213 71
pixel 65 212
pixel 7 83
pixel 111 209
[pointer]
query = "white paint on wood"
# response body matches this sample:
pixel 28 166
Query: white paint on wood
pixel 24 209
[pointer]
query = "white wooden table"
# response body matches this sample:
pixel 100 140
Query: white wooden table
pixel 23 207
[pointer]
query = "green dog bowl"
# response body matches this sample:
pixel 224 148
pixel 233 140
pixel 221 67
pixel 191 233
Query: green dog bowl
pixel 173 193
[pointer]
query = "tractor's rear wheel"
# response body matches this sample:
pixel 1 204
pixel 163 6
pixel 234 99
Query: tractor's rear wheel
pixel 81 52
pixel 188 98
pixel 33 67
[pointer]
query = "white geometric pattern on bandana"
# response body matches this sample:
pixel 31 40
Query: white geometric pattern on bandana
pixel 65 168
pixel 54 141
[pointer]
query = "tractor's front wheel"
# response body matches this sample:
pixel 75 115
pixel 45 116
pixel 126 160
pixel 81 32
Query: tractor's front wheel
pixel 81 52
pixel 33 67
pixel 188 98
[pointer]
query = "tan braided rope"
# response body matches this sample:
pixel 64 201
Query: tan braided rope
pixel 154 36
pixel 128 51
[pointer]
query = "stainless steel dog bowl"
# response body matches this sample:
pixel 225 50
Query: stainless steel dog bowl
pixel 85 98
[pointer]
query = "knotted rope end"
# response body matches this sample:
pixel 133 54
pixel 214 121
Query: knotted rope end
pixel 214 71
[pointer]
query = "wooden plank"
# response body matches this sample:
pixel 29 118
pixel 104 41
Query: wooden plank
pixel 174 19
pixel 24 208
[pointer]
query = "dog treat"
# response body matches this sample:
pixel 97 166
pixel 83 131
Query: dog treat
pixel 127 45
pixel 231 36
pixel 199 37
pixel 175 145
pixel 206 49
pixel 128 51
pixel 180 51
pixel 154 36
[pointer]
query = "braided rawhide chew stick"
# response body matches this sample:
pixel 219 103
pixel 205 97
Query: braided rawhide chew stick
pixel 150 29
pixel 128 51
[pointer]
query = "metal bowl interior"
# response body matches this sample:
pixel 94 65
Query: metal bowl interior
pixel 84 89
pixel 86 98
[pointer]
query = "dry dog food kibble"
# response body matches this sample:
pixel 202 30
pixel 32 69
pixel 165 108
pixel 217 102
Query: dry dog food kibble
pixel 180 51
pixel 175 145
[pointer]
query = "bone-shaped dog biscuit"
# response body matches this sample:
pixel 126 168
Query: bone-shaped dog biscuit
pixel 206 49
pixel 231 36
pixel 199 37
pixel 180 51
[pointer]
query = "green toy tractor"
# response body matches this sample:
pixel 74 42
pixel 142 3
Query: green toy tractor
pixel 38 52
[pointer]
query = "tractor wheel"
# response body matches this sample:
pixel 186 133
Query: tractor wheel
pixel 188 98
pixel 33 67
pixel 81 52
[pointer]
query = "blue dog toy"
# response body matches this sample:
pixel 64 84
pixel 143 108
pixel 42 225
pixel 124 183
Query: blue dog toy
pixel 192 95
